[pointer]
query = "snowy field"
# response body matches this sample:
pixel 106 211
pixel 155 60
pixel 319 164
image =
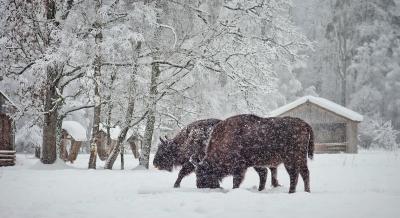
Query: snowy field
pixel 343 185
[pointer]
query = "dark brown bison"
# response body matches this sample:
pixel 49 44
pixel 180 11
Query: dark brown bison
pixel 246 141
pixel 191 142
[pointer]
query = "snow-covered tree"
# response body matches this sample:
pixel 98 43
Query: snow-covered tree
pixel 356 52
pixel 39 54
pixel 376 133
pixel 196 59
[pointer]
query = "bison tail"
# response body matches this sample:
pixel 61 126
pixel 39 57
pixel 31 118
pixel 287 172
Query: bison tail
pixel 311 143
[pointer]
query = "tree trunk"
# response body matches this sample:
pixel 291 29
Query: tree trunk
pixel 110 108
pixel 95 141
pixel 128 116
pixel 117 149
pixel 50 121
pixel 59 143
pixel 147 139
pixel 345 66
pixel 122 157
pixel 50 7
pixel 134 147
pixel 49 138
pixel 73 153
pixel 105 149
pixel 49 155
pixel 108 144
pixel 151 119
pixel 344 90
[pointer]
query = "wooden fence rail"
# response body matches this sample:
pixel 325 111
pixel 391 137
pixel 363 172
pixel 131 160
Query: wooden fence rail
pixel 330 147
pixel 7 158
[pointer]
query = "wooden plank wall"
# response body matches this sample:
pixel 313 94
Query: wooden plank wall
pixel 318 116
pixel 6 135
pixel 7 158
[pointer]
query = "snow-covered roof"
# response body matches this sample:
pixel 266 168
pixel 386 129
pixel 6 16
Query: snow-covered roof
pixel 115 131
pixel 9 100
pixel 322 102
pixel 75 129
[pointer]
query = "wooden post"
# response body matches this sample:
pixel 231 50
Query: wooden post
pixel 351 134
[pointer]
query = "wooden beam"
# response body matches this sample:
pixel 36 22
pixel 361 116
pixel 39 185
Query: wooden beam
pixel 7 160
pixel 7 151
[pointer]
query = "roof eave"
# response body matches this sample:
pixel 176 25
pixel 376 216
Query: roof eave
pixel 310 102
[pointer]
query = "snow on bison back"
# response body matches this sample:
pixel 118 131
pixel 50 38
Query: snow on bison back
pixel 246 140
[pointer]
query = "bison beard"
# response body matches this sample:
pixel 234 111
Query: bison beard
pixel 246 141
pixel 191 142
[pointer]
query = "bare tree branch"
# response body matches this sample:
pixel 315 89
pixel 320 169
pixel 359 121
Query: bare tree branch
pixel 76 109
pixel 22 71
pixel 77 76
pixel 172 64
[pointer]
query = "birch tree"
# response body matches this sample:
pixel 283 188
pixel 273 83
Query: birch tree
pixel 127 124
pixel 97 62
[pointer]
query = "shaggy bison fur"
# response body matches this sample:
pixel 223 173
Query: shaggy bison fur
pixel 190 143
pixel 244 141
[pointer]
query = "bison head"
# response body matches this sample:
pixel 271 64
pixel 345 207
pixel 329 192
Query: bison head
pixel 165 155
pixel 206 175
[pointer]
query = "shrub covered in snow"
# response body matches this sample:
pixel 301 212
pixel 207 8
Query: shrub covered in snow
pixel 378 133
pixel 27 138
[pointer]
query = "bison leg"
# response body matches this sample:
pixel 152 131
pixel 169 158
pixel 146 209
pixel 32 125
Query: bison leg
pixel 262 173
pixel 305 174
pixel 274 176
pixel 294 176
pixel 187 168
pixel 238 177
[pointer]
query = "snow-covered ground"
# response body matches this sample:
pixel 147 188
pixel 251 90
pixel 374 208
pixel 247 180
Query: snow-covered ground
pixel 343 185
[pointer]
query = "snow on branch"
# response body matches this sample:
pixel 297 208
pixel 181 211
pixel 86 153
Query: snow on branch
pixel 76 109
pixel 252 9
pixel 173 31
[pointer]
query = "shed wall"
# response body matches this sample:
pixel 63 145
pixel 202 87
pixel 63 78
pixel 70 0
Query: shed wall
pixel 6 133
pixel 330 129
pixel 352 140
pixel 312 113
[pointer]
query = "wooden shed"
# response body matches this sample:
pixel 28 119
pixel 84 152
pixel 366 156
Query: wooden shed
pixel 7 131
pixel 73 134
pixel 132 139
pixel 104 150
pixel 335 127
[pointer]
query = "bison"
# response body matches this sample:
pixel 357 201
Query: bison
pixel 190 143
pixel 247 140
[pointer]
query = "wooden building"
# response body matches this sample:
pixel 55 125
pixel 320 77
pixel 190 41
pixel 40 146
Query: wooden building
pixel 73 135
pixel 7 131
pixel 105 149
pixel 131 138
pixel 335 127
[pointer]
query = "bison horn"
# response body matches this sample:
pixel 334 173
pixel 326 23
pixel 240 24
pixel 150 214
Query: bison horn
pixel 192 161
pixel 166 137
pixel 162 141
